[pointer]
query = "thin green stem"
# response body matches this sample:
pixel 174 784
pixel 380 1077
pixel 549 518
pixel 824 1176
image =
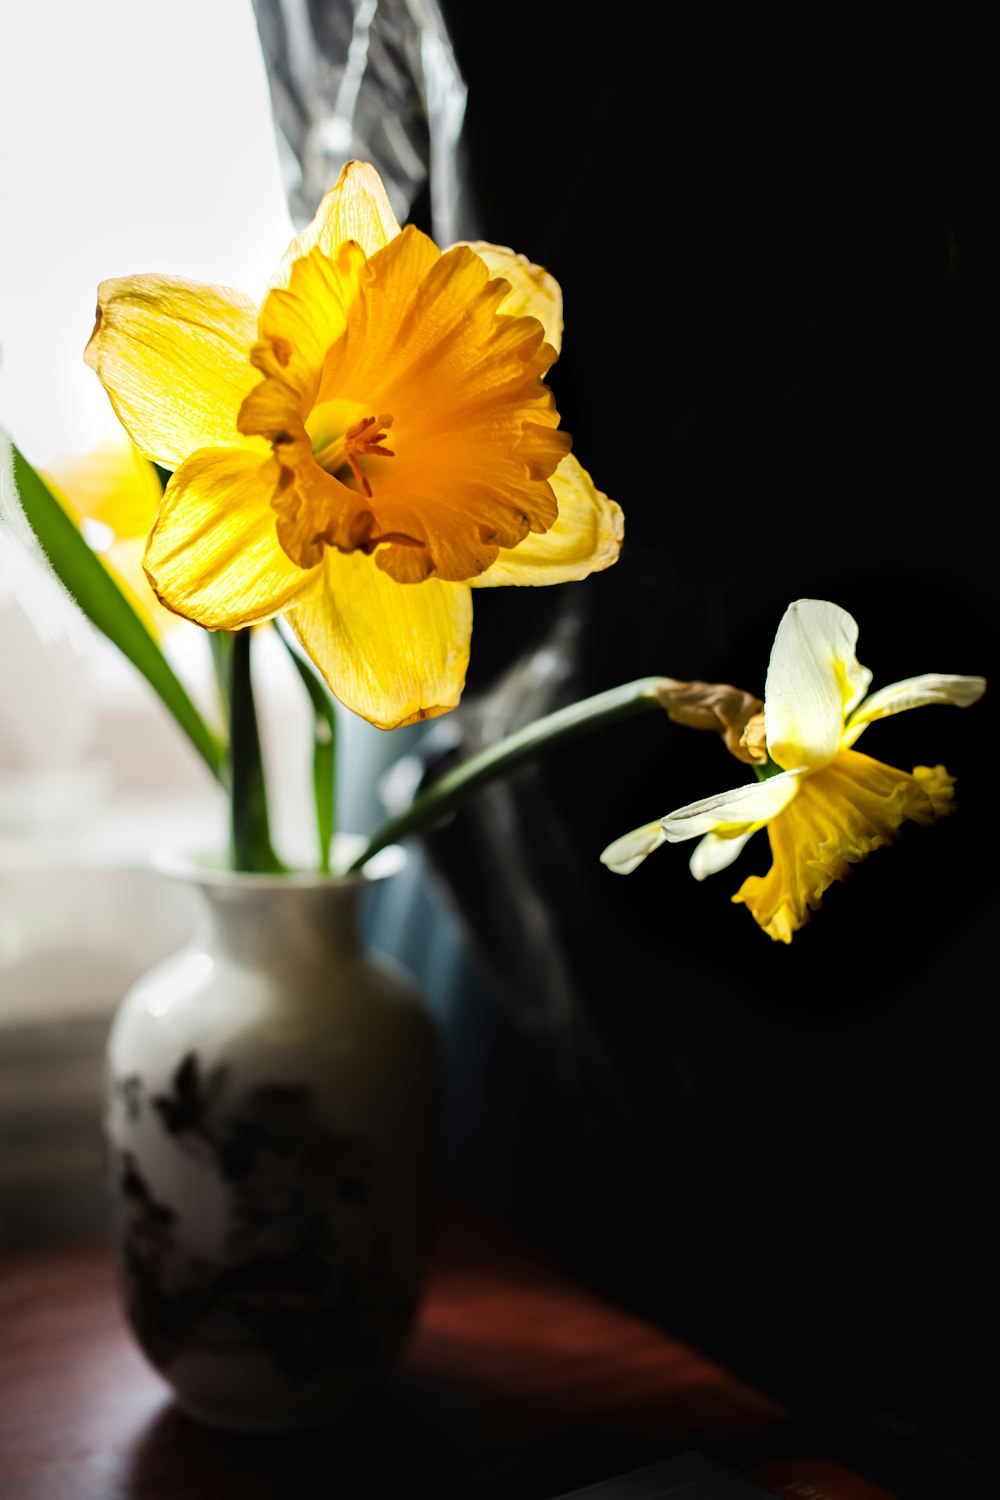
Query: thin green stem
pixel 220 645
pixel 250 836
pixel 531 743
pixel 324 744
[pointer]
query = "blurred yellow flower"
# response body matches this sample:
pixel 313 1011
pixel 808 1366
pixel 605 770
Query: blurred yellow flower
pixel 824 805
pixel 111 492
pixel 373 441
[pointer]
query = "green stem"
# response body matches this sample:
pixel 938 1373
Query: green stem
pixel 250 837
pixel 220 645
pixel 324 744
pixel 528 744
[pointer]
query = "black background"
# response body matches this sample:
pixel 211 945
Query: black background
pixel 772 239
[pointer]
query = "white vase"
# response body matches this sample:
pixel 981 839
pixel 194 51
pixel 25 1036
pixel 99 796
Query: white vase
pixel 272 1122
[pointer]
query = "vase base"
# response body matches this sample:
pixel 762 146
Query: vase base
pixel 297 1419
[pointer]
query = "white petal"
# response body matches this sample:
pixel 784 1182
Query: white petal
pixel 914 692
pixel 743 810
pixel 814 679
pixel 713 853
pixel 632 848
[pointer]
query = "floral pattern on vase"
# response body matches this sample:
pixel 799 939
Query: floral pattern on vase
pixel 272 1124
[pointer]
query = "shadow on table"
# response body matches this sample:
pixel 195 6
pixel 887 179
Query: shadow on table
pixel 396 1435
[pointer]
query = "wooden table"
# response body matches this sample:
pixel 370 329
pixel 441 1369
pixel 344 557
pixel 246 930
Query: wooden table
pixel 517 1382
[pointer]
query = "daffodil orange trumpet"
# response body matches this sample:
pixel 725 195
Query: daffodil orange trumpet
pixel 359 452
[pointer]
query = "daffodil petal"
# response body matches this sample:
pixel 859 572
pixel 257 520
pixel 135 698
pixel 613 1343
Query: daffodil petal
pixel 174 357
pixel 846 810
pixel 914 692
pixel 125 560
pixel 357 208
pixel 392 653
pixel 534 293
pixel 111 483
pixel 733 813
pixel 624 854
pixel 586 537
pixel 814 679
pixel 301 319
pixel 715 853
pixel 213 554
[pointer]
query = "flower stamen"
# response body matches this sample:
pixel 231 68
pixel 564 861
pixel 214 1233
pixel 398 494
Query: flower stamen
pixel 363 439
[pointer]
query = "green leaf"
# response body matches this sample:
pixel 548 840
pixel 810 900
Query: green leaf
pixel 90 583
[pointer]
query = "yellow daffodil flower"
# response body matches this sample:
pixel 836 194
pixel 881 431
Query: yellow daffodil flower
pixel 112 492
pixel 359 452
pixel 825 806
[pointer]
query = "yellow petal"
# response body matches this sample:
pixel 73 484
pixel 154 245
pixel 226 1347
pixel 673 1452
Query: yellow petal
pixel 213 555
pixel 124 559
pixel 393 653
pixel 174 356
pixel 301 319
pixel 586 538
pixel 111 483
pixel 534 293
pixel 357 208
pixel 940 788
pixel 843 812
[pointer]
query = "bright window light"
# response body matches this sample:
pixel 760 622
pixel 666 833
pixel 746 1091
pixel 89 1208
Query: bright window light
pixel 133 137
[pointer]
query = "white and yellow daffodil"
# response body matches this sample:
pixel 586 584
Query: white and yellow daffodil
pixel 359 452
pixel 825 806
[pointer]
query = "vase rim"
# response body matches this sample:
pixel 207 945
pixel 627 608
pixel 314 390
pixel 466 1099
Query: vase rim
pixel 208 866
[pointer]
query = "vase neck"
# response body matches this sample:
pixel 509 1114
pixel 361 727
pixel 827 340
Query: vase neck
pixel 281 923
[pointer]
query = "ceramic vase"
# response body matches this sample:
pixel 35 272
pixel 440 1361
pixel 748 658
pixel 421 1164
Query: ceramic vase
pixel 272 1125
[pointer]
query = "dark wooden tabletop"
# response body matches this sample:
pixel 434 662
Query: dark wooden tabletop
pixel 517 1382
